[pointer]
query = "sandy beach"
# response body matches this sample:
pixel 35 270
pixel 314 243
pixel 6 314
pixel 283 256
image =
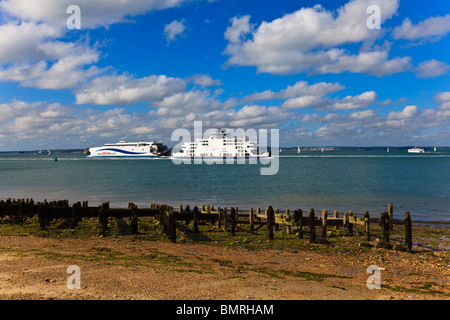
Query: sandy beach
pixel 126 268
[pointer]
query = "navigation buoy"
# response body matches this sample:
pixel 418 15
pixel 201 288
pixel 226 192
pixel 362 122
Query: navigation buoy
pixel 55 159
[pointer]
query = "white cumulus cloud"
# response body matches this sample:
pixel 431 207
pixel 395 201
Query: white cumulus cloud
pixel 174 30
pixel 432 27
pixel 308 40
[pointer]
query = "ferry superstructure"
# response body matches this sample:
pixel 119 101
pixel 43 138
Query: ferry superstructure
pixel 130 149
pixel 219 146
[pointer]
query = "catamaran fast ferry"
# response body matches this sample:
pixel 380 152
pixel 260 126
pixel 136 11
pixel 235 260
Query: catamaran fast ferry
pixel 130 149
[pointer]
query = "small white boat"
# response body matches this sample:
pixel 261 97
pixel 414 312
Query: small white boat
pixel 298 150
pixel 416 150
pixel 387 150
pixel 434 148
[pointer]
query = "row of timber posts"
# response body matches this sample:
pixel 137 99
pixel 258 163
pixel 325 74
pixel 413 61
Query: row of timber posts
pixel 21 208
pixel 348 221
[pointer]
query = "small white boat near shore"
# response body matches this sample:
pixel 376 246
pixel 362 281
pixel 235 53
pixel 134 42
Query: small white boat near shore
pixel 416 150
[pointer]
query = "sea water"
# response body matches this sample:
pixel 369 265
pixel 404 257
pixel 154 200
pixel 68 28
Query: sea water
pixel 355 181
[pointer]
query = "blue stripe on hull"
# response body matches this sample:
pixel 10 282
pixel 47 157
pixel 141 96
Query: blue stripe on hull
pixel 121 151
pixel 123 156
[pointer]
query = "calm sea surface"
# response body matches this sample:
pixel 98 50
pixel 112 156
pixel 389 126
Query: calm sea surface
pixel 330 180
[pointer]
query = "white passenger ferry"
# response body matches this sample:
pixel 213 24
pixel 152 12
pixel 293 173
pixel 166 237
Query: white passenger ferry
pixel 130 149
pixel 219 146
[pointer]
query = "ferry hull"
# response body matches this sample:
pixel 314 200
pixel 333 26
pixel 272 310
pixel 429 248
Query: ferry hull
pixel 122 156
pixel 265 156
pixel 110 153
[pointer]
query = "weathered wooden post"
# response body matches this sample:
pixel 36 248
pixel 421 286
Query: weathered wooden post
pixel 103 217
pixel 41 215
pixel 391 216
pixel 350 223
pixel 187 213
pixel 298 216
pixel 250 219
pixel 288 221
pixel 270 221
pixel 223 215
pixel 2 214
pixel 74 215
pixel 408 232
pixel 276 226
pixel 336 216
pixel 367 225
pixel 195 214
pixel 21 210
pixel 226 220
pixel 172 231
pixel 312 226
pixel 180 208
pixel 134 219
pixel 384 221
pixel 219 217
pixel 258 213
pixel 233 221
pixel 345 220
pixel 324 223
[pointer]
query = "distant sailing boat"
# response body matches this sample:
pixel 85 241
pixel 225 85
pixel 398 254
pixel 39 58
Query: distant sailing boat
pixel 434 148
pixel 387 149
pixel 298 150
pixel 322 149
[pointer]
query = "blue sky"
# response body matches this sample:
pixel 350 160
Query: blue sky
pixel 141 69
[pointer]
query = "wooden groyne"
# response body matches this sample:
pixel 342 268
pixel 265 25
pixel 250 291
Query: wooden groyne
pixel 227 219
